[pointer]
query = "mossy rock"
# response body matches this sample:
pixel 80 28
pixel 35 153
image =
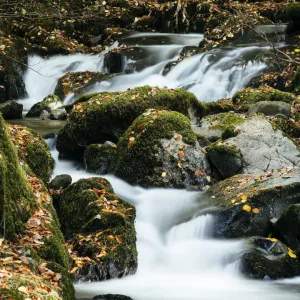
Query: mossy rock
pixel 270 108
pixel 224 122
pixel 100 226
pixel 269 258
pixel 226 157
pixel 11 110
pixel 33 150
pixel 247 203
pixel 287 228
pixel 76 82
pixel 105 116
pixel 293 11
pixel 50 102
pixel 98 157
pixel 160 149
pixel 244 99
pixel 15 193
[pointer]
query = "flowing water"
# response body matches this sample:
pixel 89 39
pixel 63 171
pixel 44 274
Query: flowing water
pixel 177 257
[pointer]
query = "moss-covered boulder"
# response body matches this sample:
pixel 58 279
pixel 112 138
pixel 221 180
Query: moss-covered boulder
pixel 100 230
pixel 101 117
pixel 160 149
pixel 50 102
pixel 287 228
pixel 293 12
pixel 98 157
pixel 33 256
pixel 76 82
pixel 11 110
pixel 244 99
pixel 33 150
pixel 246 203
pixel 269 258
pixel 226 157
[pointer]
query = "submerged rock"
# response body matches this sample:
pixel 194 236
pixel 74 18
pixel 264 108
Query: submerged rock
pixel 100 229
pixel 49 103
pixel 269 258
pixel 246 203
pixel 160 149
pixel 11 110
pixel 113 62
pixel 98 157
pixel 101 117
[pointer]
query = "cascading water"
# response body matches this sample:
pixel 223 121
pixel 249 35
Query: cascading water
pixel 178 259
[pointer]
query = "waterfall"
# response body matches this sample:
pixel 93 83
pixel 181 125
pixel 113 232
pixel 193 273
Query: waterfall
pixel 178 258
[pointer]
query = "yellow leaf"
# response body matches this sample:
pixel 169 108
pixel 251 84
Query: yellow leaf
pixel 255 210
pixel 272 240
pixel 247 208
pixel 23 289
pixel 244 198
pixel 233 201
pixel 163 174
pixel 180 165
pixel 291 253
pixel 297 50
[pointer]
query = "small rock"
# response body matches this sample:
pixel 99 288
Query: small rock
pixel 44 115
pixel 270 108
pixel 60 181
pixel 58 114
pixel 113 62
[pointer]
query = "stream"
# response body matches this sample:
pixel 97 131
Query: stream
pixel 177 257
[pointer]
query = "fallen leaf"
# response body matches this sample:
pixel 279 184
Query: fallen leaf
pixel 163 174
pixel 255 210
pixel 247 208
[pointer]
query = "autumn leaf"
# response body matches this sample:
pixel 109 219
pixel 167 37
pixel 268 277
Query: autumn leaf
pixel 233 201
pixel 244 198
pixel 255 210
pixel 291 253
pixel 23 289
pixel 163 174
pixel 247 208
pixel 180 165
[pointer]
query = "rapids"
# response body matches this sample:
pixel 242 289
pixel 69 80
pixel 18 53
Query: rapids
pixel 178 259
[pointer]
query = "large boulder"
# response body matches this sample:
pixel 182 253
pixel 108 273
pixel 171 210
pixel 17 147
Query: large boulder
pixel 287 228
pixel 271 108
pixel 50 102
pixel 246 203
pixel 101 117
pixel 244 99
pixel 100 230
pixel 11 110
pixel 268 258
pixel 34 258
pixel 160 149
pixel 33 150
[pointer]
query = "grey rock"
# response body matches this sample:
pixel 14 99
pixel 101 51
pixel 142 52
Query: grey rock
pixel 264 148
pixel 211 134
pixel 270 108
pixel 11 110
pixel 58 114
pixel 44 115
pixel 50 102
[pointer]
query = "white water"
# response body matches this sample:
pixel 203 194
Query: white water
pixel 209 76
pixel 177 257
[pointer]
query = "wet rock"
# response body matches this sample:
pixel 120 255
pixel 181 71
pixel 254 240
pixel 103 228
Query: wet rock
pixel 269 258
pixel 226 157
pixel 98 157
pixel 58 114
pixel 270 108
pixel 101 117
pixel 113 62
pixel 273 79
pixel 60 182
pixel 293 12
pixel 111 297
pixel 160 149
pixel 50 102
pixel 246 203
pixel 287 228
pixel 244 99
pixel 295 84
pixel 211 134
pixel 100 227
pixel 11 110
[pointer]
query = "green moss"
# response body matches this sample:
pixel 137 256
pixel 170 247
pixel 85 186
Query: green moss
pixel 221 147
pixel 16 196
pixel 293 11
pixel 106 116
pixel 243 99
